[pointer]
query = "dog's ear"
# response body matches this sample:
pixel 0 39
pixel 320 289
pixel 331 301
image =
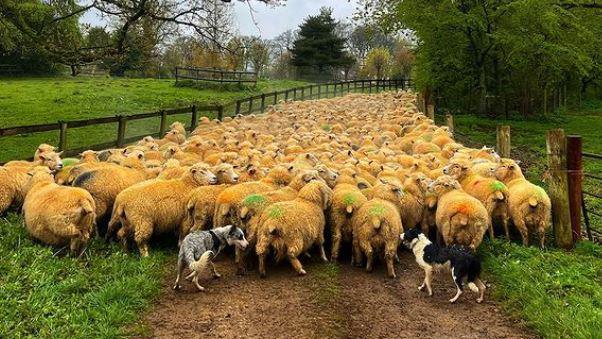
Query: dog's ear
pixel 232 230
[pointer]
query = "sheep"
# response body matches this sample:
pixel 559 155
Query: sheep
pixel 461 218
pixel 201 205
pixel 42 149
pixel 492 193
pixel 178 126
pixel 155 207
pixel 13 178
pixel 105 183
pixel 57 215
pixel 252 206
pixel 227 201
pixel 377 225
pixel 529 205
pixel 347 198
pixel 292 227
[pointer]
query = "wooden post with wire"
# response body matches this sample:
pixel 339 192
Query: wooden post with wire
pixel 574 165
pixel 558 188
pixel 430 112
pixel 449 121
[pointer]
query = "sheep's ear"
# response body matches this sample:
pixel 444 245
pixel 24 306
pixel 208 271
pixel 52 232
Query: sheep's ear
pixel 124 151
pixel 60 153
pixel 43 156
pixel 291 168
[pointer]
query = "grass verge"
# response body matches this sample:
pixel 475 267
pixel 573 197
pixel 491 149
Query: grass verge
pixel 557 293
pixel 42 295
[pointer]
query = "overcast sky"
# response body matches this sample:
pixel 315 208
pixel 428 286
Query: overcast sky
pixel 271 21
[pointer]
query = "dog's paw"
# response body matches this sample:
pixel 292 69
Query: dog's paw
pixel 241 271
pixel 201 288
pixel 262 275
pixel 421 287
pixel 302 272
pixel 452 300
pixel 176 287
pixel 479 300
pixel 216 275
pixel 430 294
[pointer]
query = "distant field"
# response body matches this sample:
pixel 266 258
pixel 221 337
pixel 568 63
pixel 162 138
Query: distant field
pixel 31 101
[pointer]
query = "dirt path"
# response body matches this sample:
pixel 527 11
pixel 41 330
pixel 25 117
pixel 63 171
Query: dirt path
pixel 332 301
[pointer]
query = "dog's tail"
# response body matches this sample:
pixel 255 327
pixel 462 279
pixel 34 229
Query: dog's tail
pixel 201 264
pixel 474 270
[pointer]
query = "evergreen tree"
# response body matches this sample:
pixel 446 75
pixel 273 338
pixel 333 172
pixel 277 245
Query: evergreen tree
pixel 317 46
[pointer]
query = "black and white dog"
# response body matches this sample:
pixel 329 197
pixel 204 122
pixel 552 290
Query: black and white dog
pixel 200 247
pixel 431 257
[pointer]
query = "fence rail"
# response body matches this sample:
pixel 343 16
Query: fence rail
pixel 256 103
pixel 214 75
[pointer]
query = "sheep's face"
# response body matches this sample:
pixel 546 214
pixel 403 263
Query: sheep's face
pixel 52 160
pixel 508 170
pixel 444 184
pixel 225 174
pixel 202 175
pixel 456 170
pixel 89 156
pixel 327 174
pixel 236 237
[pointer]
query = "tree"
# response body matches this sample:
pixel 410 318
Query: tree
pixel 259 54
pixel 318 48
pixel 402 60
pixel 235 54
pixel 34 21
pixel 492 55
pixel 378 62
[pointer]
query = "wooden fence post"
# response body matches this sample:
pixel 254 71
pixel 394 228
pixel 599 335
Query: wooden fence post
pixel 286 95
pixel 194 119
pixel 250 105
pixel 275 97
pixel 335 89
pixel 238 102
pixel 295 94
pixel 163 126
pixel 574 165
pixel 262 103
pixel 503 140
pixel 63 136
pixel 302 93
pixel 311 92
pixel 561 218
pixel 450 122
pixel 319 91
pixel 220 112
pixel 121 130
pixel 430 112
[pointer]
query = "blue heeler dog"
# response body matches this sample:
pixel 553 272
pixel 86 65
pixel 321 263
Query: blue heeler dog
pixel 200 247
pixel 430 256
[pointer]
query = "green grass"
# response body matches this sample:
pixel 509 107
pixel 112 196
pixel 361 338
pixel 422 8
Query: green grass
pixel 29 101
pixel 557 293
pixel 96 296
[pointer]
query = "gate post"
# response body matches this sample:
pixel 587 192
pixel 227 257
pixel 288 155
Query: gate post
pixel 575 176
pixel 561 217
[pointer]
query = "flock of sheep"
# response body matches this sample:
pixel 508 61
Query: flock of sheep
pixel 356 170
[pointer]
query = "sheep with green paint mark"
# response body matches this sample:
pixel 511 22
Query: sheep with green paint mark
pixel 347 198
pixel 377 226
pixel 293 227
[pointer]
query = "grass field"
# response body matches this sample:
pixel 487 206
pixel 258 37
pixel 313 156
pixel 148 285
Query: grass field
pixel 31 101
pixel 557 293
pixel 48 296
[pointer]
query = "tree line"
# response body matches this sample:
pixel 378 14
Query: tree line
pixel 151 37
pixel 500 56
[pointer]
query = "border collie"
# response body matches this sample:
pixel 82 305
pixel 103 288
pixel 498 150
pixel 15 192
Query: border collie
pixel 431 257
pixel 200 247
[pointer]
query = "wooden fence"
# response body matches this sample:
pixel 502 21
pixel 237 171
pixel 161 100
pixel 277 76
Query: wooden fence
pixel 121 122
pixel 258 103
pixel 214 75
pixel 248 105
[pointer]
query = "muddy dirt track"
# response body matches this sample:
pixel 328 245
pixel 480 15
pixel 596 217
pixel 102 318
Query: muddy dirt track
pixel 332 301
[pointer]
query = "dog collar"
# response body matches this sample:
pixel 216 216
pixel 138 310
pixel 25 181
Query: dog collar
pixel 216 242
